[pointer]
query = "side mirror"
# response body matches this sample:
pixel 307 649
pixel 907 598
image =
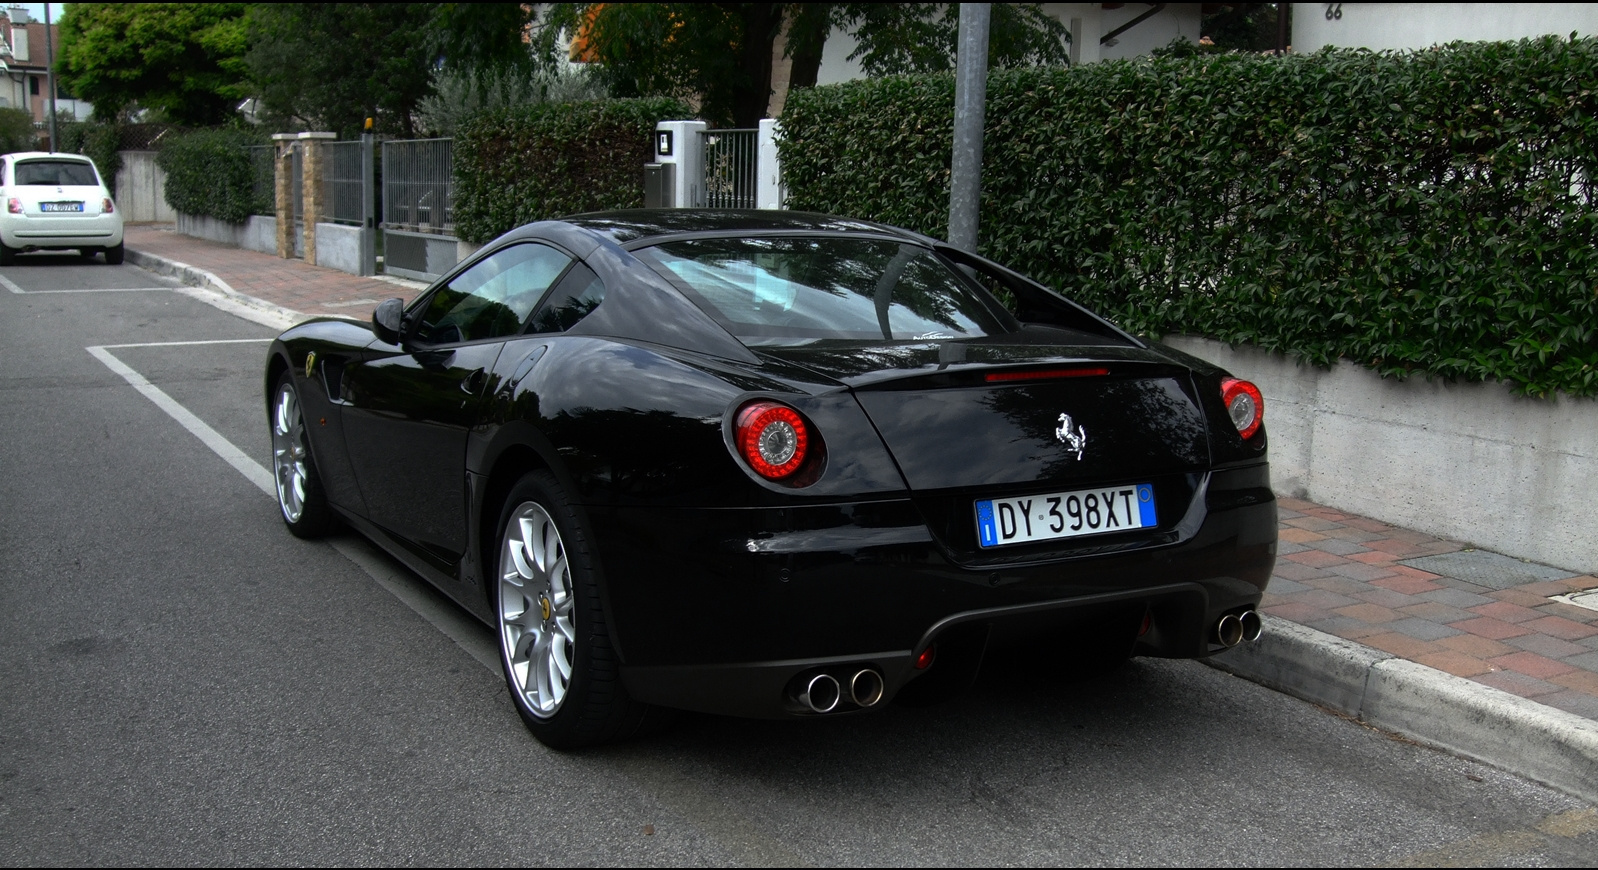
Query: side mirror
pixel 389 319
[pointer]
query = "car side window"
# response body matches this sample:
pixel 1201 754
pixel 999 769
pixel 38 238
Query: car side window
pixel 574 297
pixel 492 299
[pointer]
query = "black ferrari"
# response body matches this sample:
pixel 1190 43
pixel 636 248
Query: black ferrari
pixel 773 464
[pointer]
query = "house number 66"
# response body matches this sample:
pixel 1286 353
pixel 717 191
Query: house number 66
pixel 1334 11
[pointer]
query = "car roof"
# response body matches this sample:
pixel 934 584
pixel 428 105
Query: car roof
pixel 53 155
pixel 631 227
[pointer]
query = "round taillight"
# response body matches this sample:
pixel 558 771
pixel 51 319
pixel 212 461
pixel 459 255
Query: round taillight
pixel 772 438
pixel 1244 405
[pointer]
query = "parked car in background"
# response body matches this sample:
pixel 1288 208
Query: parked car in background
pixel 774 464
pixel 56 202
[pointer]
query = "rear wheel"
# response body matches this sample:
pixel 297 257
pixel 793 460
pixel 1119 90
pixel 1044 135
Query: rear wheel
pixel 113 256
pixel 554 641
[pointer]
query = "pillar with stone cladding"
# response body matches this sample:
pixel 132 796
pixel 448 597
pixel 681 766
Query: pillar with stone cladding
pixel 283 191
pixel 311 186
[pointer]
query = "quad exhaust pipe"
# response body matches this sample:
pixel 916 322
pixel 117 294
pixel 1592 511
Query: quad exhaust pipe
pixel 1234 628
pixel 823 692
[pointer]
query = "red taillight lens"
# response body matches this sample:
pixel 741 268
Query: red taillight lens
pixel 772 438
pixel 1244 405
pixel 106 207
pixel 924 660
pixel 14 205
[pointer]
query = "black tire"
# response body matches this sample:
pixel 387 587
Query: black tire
pixel 113 256
pixel 549 614
pixel 300 498
pixel 8 255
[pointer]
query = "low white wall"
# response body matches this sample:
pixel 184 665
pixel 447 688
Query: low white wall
pixel 141 189
pixel 339 247
pixel 1471 462
pixel 256 233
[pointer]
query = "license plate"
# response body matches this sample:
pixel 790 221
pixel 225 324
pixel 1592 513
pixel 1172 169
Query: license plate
pixel 60 206
pixel 1097 511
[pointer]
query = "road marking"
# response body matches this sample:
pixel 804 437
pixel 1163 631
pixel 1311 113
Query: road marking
pixel 12 286
pixel 448 619
pixel 674 789
pixel 187 343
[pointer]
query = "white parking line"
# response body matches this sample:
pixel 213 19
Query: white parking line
pixel 187 343
pixel 447 618
pixel 12 286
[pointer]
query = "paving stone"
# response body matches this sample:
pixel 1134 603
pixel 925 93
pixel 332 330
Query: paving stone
pixel 1405 585
pixel 1317 559
pixel 1518 684
pixel 1339 547
pixel 1581 681
pixel 1376 557
pixel 1505 611
pixel 1373 613
pixel 1560 627
pixel 1295 570
pixel 1531 664
pixel 1325 600
pixel 1298 536
pixel 1455 597
pixel 1436 611
pixel 1553 648
pixel 1344 627
pixel 1284 586
pixel 1287 548
pixel 1458 664
pixel 1587 661
pixel 1401 645
pixel 1338 584
pixel 1363 573
pixel 1422 629
pixel 1366 524
pixel 1312 523
pixel 1580 703
pixel 1385 597
pixel 1568 611
pixel 1296 611
pixel 1494 629
pixel 1475 645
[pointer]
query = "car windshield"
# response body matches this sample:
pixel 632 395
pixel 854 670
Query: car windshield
pixel 61 173
pixel 778 290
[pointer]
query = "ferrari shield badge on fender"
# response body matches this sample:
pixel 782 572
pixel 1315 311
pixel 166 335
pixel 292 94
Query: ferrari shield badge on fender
pixel 310 363
pixel 1076 440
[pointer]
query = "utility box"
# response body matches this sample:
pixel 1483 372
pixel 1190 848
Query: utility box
pixel 659 186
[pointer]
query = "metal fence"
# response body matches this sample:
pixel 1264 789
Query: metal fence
pixel 262 162
pixel 418 186
pixel 341 183
pixel 731 168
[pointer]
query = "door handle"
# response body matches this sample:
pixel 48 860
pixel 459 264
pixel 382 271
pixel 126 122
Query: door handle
pixel 473 383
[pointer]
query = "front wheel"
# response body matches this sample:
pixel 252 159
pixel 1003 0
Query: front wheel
pixel 553 638
pixel 299 489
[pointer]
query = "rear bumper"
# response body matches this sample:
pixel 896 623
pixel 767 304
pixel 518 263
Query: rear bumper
pixel 726 611
pixel 59 233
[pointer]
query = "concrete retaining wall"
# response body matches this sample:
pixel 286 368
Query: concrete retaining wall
pixel 418 256
pixel 141 189
pixel 339 247
pixel 256 234
pixel 1471 462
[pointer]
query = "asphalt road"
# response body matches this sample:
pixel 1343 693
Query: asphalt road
pixel 183 682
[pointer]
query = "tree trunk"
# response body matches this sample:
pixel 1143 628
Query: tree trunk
pixel 761 22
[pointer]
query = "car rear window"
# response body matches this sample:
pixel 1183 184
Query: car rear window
pixel 60 173
pixel 777 290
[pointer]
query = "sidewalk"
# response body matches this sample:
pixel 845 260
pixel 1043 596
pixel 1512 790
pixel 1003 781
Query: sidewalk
pixel 1399 595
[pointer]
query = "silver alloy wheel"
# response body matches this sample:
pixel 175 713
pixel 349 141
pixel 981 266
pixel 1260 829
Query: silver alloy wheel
pixel 537 624
pixel 289 452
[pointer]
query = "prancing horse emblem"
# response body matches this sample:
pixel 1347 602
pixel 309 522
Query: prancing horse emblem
pixel 1075 441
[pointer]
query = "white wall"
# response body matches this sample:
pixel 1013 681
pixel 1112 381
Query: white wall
pixel 141 189
pixel 1421 25
pixel 1470 462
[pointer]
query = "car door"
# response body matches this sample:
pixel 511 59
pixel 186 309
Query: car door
pixel 410 406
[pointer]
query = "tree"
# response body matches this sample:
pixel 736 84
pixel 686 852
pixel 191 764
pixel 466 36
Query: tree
pixel 720 53
pixel 329 66
pixel 184 60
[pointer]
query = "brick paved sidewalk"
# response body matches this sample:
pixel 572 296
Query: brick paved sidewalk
pixel 291 284
pixel 1337 572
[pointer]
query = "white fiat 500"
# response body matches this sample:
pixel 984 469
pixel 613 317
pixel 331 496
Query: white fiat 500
pixel 56 202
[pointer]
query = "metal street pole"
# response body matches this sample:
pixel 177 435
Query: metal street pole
pixel 970 93
pixel 49 78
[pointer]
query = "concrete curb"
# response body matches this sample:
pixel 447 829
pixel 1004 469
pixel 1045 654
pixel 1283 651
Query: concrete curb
pixel 1541 743
pixel 216 291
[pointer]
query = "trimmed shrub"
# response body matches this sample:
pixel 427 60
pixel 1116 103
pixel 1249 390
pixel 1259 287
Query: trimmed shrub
pixel 530 163
pixel 16 130
pixel 1431 211
pixel 210 172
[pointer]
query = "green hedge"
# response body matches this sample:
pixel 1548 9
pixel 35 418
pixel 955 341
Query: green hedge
pixel 210 172
pixel 1426 212
pixel 99 142
pixel 530 163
